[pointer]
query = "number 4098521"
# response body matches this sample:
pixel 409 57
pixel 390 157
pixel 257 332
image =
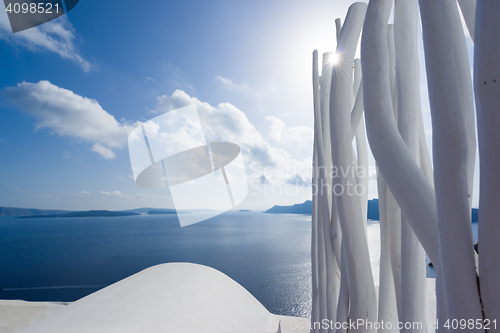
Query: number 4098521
pixel 484 324
pixel 40 8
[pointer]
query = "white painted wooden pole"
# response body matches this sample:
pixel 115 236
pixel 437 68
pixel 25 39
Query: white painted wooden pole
pixel 393 211
pixel 335 223
pixel 450 95
pixel 314 244
pixel 332 280
pixel 361 287
pixel 487 89
pixel 392 69
pixel 425 157
pixel 388 311
pixel 357 111
pixel 329 304
pixel 338 26
pixel 343 305
pixel 333 271
pixel 361 151
pixel 426 166
pixel 441 313
pixel 321 261
pixel 408 184
pixel 325 83
pixel 413 265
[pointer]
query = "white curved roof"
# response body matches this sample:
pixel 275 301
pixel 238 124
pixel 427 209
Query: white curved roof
pixel 174 297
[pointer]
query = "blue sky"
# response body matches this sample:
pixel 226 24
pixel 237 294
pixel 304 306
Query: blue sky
pixel 72 89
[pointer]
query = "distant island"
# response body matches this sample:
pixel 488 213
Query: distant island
pixel 165 211
pixel 306 208
pixel 303 208
pixel 90 213
pixel 14 211
pixel 35 212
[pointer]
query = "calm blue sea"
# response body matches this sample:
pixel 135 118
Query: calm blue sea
pixel 64 259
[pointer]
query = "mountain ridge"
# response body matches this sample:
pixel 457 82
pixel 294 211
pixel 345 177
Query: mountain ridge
pixel 306 208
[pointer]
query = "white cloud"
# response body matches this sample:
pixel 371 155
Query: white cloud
pixel 223 123
pixel 117 194
pixel 103 151
pixel 299 135
pixel 266 164
pixel 70 115
pixel 243 87
pixel 140 196
pixel 232 85
pixel 56 36
pixel 177 100
pixel 85 192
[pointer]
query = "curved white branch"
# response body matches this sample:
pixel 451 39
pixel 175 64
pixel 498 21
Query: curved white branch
pixel 413 265
pixel 321 302
pixel 408 184
pixel 357 111
pixel 452 110
pixel 338 28
pixel 361 149
pixel 388 309
pixel 361 287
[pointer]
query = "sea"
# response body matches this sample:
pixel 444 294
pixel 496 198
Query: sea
pixel 65 259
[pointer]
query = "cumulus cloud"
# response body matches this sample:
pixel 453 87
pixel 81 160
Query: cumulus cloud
pixel 103 151
pixel 56 36
pixel 266 164
pixel 224 123
pixel 69 115
pixel 177 100
pixel 298 180
pixel 243 87
pixel 301 135
pixel 233 86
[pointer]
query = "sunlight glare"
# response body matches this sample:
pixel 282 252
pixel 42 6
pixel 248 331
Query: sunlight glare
pixel 334 58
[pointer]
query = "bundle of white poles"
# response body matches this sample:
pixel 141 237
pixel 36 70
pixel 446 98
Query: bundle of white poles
pixel 424 204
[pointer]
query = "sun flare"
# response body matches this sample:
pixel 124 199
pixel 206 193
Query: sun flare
pixel 334 58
